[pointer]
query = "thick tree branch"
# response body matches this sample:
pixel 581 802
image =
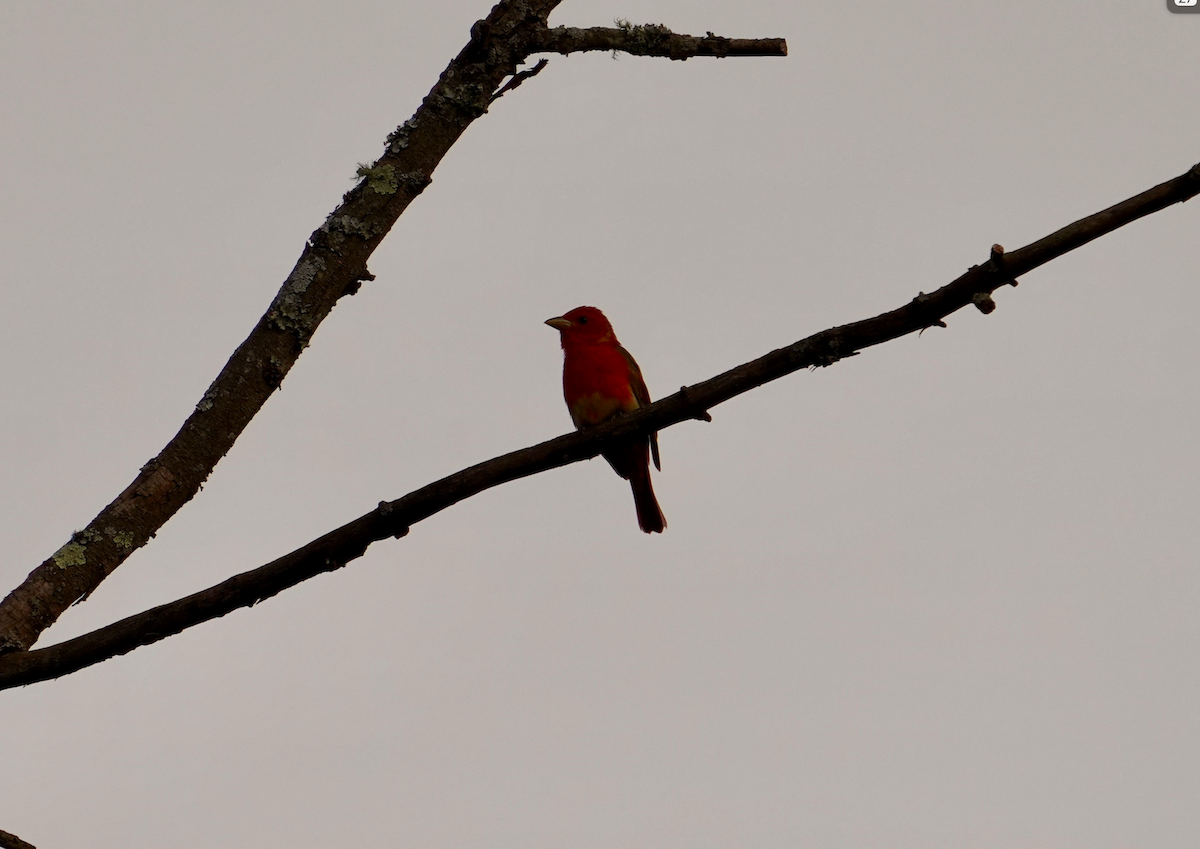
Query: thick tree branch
pixel 654 40
pixel 393 519
pixel 332 264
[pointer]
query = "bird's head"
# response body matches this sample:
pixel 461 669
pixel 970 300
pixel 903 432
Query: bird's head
pixel 583 326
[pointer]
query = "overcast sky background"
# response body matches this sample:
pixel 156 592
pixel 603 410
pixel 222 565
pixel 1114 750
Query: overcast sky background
pixel 942 594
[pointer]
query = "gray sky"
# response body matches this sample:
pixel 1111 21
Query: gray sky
pixel 942 594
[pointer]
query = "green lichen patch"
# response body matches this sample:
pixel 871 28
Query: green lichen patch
pixel 122 538
pixel 382 179
pixel 71 554
pixel 469 98
pixel 209 398
pixel 303 275
pixel 349 225
pixel 644 38
pixel 398 140
pixel 289 311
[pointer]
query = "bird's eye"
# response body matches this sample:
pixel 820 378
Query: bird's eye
pixel 583 319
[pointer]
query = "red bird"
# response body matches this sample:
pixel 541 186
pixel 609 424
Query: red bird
pixel 600 381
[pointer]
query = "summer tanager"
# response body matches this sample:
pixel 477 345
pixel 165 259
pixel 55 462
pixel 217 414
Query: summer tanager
pixel 600 381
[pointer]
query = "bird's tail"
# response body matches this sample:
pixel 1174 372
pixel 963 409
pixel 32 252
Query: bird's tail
pixel 650 517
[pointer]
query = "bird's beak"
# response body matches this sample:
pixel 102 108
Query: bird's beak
pixel 559 323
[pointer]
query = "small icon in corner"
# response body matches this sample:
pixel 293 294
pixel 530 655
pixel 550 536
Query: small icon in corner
pixel 1184 7
pixel 1185 2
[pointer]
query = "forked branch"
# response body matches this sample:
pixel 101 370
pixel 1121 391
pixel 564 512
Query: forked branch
pixel 332 264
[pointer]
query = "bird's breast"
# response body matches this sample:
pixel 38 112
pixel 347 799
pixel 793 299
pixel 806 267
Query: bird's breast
pixel 595 407
pixel 596 386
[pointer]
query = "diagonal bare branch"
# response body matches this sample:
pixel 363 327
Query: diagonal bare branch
pixel 332 264
pixel 393 519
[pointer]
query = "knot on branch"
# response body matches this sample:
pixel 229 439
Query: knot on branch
pixel 983 301
pixel 701 416
pixel 715 45
pixel 1193 176
pixel 830 353
pixel 352 287
pixel 923 300
pixel 385 510
pixel 996 261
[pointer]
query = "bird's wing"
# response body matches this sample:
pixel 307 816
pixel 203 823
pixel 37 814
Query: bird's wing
pixel 638 384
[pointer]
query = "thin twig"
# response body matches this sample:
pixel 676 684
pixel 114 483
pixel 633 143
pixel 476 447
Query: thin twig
pixel 519 78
